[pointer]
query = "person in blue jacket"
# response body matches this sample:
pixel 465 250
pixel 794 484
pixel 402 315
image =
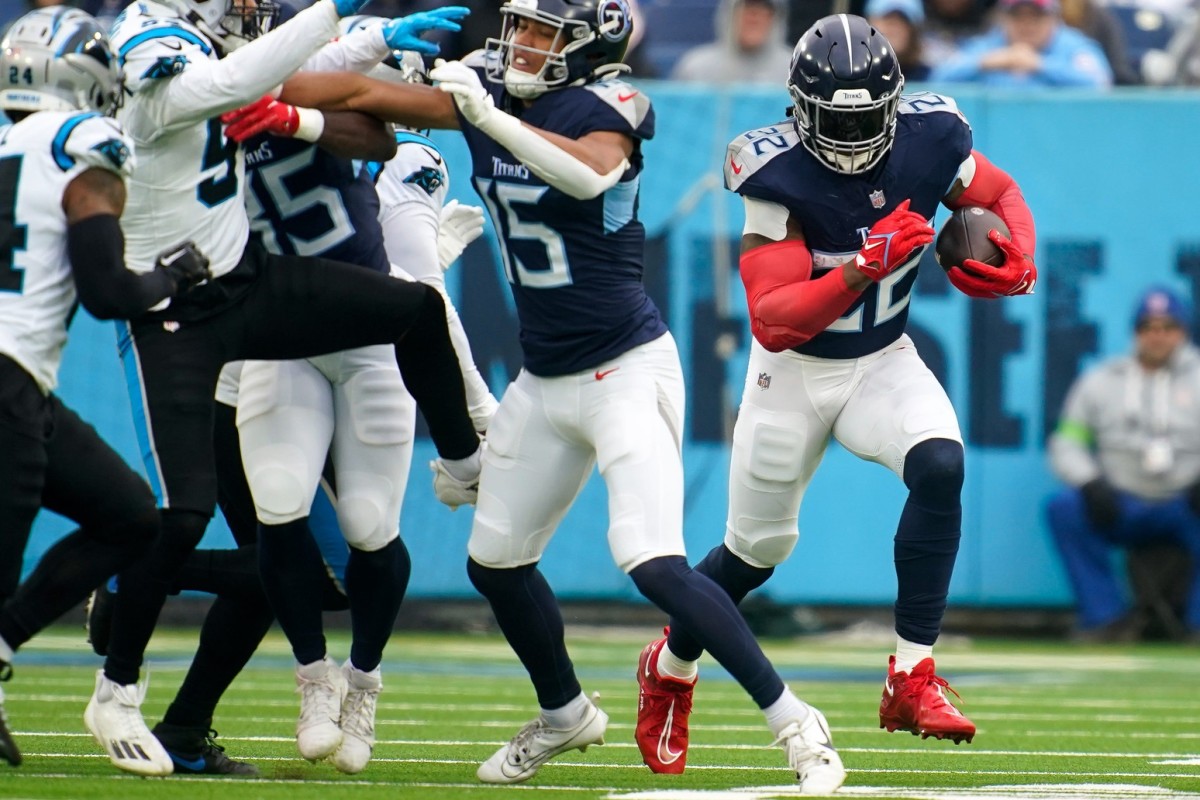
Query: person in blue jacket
pixel 1030 47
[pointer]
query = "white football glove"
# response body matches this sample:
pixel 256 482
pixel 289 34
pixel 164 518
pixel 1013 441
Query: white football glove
pixel 458 226
pixel 460 81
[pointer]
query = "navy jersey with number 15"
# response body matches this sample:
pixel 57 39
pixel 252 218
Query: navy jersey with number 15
pixel 575 266
pixel 837 211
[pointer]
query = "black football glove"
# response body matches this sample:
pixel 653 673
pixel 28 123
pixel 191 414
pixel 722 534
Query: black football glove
pixel 185 265
pixel 1100 503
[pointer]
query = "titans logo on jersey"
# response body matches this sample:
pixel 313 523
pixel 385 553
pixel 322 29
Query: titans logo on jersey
pixel 304 201
pixel 575 266
pixel 836 211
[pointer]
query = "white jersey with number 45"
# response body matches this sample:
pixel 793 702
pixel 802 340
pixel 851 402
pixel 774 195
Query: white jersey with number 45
pixel 39 156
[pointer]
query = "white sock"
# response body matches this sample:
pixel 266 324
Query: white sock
pixel 567 716
pixel 315 670
pixel 784 711
pixel 463 469
pixel 361 679
pixel 672 666
pixel 6 652
pixel 909 654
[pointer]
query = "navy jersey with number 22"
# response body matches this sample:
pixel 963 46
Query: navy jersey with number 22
pixel 837 211
pixel 575 266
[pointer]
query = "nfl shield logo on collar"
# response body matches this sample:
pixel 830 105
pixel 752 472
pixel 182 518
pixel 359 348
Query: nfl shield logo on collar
pixel 877 198
pixel 764 380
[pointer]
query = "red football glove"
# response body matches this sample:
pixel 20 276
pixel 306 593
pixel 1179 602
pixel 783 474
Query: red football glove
pixel 892 242
pixel 1016 275
pixel 265 115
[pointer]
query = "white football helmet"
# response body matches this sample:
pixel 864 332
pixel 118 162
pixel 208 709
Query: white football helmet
pixel 231 23
pixel 58 59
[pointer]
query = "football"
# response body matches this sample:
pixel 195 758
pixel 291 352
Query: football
pixel 965 235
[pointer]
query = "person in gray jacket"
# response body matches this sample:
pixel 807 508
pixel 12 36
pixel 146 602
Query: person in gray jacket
pixel 1128 446
pixel 749 47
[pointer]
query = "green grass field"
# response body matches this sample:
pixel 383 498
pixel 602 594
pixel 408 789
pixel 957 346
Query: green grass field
pixel 1055 721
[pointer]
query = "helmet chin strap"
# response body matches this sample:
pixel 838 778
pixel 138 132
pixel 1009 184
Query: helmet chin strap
pixel 523 85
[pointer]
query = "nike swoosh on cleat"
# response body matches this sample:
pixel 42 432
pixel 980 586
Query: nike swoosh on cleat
pixel 887 686
pixel 664 741
pixel 196 765
pixel 653 649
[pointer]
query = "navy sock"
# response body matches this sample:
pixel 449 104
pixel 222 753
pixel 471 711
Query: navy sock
pixel 927 538
pixel 733 575
pixel 375 584
pixel 293 576
pixel 707 611
pixel 529 617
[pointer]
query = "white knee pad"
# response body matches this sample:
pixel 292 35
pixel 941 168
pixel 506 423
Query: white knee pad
pixel 280 494
pixel 364 525
pixel 763 543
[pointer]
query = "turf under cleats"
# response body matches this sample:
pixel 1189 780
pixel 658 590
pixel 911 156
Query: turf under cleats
pixel 194 751
pixel 914 701
pixel 114 716
pixel 810 754
pixel 322 688
pixel 537 743
pixel 664 705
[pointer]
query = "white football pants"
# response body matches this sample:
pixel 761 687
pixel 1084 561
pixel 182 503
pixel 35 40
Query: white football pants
pixel 626 415
pixel 290 414
pixel 878 407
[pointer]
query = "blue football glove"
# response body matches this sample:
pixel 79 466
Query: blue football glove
pixel 348 8
pixel 404 33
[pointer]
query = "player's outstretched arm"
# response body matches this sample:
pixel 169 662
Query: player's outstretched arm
pixel 349 134
pixel 408 104
pixel 93 203
pixel 582 168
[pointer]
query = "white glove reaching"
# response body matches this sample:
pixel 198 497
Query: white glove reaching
pixel 458 226
pixel 460 81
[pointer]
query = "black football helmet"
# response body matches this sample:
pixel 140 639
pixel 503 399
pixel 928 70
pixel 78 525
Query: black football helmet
pixel 845 82
pixel 591 41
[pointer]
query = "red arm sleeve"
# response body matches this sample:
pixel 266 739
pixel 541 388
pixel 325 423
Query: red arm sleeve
pixel 788 307
pixel 995 190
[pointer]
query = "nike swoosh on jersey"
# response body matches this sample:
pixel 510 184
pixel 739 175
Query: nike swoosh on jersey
pixel 736 169
pixel 622 98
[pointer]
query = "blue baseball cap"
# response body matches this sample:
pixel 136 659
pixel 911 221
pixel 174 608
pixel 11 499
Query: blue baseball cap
pixel 1159 301
pixel 912 10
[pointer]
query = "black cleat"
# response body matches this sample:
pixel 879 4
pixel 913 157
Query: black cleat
pixel 8 747
pixel 194 751
pixel 99 616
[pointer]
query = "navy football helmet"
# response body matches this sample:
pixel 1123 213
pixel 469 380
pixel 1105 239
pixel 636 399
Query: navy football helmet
pixel 845 82
pixel 591 39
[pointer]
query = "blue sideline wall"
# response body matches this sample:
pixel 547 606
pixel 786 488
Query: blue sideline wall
pixel 1115 203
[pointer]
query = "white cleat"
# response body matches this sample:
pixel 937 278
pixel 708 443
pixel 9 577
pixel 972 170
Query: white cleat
pixel 322 689
pixel 358 719
pixel 810 753
pixel 537 743
pixel 114 716
pixel 450 490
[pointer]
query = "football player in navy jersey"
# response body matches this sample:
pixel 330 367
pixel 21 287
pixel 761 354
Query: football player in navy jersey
pixel 838 199
pixel 555 140
pixel 63 166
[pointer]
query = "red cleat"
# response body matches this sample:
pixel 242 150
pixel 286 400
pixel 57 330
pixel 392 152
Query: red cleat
pixel 664 705
pixel 914 702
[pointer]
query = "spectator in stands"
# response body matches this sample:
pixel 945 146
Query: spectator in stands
pixel 801 14
pixel 1030 48
pixel 900 23
pixel 1128 446
pixel 1179 64
pixel 749 46
pixel 1098 23
pixel 950 23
